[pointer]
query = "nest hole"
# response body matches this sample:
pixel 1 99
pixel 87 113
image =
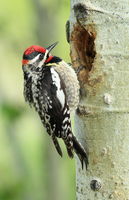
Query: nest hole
pixel 83 49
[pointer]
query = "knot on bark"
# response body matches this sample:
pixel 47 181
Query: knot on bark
pixel 95 185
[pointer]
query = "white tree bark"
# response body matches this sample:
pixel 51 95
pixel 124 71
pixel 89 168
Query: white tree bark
pixel 99 40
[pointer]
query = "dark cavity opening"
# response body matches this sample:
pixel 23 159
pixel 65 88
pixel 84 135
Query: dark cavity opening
pixel 84 46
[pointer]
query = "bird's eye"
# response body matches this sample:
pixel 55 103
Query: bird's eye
pixel 41 56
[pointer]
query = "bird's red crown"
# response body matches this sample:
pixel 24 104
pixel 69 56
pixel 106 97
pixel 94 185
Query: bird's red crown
pixel 34 48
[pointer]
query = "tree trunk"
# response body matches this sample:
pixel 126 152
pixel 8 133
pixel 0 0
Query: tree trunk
pixel 99 35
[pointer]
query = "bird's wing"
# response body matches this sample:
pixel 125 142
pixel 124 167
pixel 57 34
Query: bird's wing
pixel 53 92
pixel 54 107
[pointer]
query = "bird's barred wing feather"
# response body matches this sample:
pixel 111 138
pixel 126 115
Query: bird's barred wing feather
pixel 53 93
pixel 55 113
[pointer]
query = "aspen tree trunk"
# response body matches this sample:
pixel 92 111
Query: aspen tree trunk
pixel 99 41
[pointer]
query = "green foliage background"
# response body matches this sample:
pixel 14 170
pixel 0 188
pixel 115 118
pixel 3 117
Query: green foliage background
pixel 30 168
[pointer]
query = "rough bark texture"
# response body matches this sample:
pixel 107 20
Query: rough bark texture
pixel 99 40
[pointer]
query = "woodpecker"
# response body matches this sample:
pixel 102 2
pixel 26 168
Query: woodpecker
pixel 52 88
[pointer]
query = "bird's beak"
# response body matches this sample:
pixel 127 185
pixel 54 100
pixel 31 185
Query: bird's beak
pixel 51 46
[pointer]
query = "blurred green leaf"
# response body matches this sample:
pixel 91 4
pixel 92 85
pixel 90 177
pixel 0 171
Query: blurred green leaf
pixel 11 112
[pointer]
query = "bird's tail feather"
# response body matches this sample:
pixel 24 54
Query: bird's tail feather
pixel 72 144
pixel 80 151
pixel 69 147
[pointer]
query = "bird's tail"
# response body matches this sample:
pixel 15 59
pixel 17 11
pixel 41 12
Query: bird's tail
pixel 80 151
pixel 73 145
